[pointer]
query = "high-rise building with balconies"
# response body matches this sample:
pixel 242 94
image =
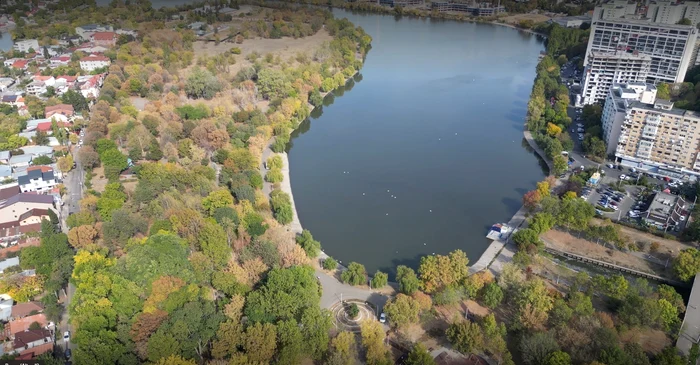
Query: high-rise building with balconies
pixel 658 138
pixel 607 69
pixel 615 109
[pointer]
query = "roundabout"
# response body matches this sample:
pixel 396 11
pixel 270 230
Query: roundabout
pixel 341 312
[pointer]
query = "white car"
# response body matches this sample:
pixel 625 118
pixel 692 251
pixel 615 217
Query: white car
pixel 66 336
pixel 611 166
pixel 580 137
pixel 382 318
pixel 623 177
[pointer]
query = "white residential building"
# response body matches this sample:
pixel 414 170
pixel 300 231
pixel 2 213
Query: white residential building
pixel 37 181
pixel 671 48
pixel 93 62
pixel 616 9
pixel 606 69
pixel 671 12
pixel 615 109
pixel 25 45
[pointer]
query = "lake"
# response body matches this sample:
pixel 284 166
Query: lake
pixel 423 152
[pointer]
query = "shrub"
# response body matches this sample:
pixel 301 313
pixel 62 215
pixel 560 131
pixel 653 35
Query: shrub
pixel 330 264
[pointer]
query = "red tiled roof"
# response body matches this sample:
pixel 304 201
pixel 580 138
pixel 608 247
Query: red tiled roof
pixel 42 78
pixel 23 309
pixel 22 324
pixel 27 337
pixel 18 230
pixel 65 109
pixel 68 78
pixel 36 351
pixel 43 168
pixel 20 63
pixel 104 36
pixel 44 126
pixel 7 193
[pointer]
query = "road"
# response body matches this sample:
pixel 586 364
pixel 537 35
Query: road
pixel 334 290
pixel 74 183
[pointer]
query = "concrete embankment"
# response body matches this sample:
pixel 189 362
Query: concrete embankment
pixel 501 252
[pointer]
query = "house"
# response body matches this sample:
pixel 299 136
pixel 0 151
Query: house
pixel 62 60
pixel 104 39
pixel 5 307
pixel 22 310
pixel 90 85
pixel 5 171
pixel 38 151
pixel 33 342
pixel 20 160
pixel 12 209
pixel 68 41
pixel 86 31
pixel 129 32
pixel 43 127
pixel 26 45
pixel 8 191
pixel 6 82
pixel 8 62
pixel 59 112
pixel 20 64
pixel 36 88
pixel 37 181
pixel 666 211
pixel 22 324
pixel 91 49
pixel 92 62
pixel 33 123
pixel 4 156
pixel 8 263
pixel 197 26
pixel 9 99
pixel 28 135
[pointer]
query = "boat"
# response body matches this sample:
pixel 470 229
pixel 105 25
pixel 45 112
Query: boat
pixel 499 231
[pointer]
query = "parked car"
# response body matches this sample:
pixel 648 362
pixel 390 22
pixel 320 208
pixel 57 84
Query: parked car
pixel 68 354
pixel 580 137
pixel 623 177
pixel 611 166
pixel 66 336
pixel 382 318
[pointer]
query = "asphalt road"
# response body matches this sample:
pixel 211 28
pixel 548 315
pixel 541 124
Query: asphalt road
pixel 74 183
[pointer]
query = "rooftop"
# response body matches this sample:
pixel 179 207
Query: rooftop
pixel 24 309
pixel 27 337
pixel 28 198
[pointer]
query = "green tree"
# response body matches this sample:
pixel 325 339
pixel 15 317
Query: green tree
pixel 663 91
pixel 272 83
pixel 309 244
pixel 558 358
pixel 282 206
pixel 536 348
pixel 217 199
pixel 343 349
pixel 284 295
pixel 402 310
pixel 114 163
pixel 687 264
pixel 379 280
pixel 492 295
pixel 316 324
pixel 354 275
pixel 290 342
pixel 526 238
pixel 260 342
pixel 408 281
pixel 76 99
pixel 373 339
pixel 560 165
pixel 330 264
pixel 419 355
pixel 202 84
pixel 466 336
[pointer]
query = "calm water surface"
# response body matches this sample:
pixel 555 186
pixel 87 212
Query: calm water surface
pixel 424 152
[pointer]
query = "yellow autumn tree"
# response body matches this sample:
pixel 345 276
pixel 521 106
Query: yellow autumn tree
pixel 553 129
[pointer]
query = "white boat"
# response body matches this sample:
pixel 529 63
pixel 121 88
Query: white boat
pixel 499 231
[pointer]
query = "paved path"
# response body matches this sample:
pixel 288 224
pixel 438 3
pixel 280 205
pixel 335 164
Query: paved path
pixel 332 288
pixel 690 329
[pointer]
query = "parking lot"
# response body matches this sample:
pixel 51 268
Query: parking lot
pixel 621 202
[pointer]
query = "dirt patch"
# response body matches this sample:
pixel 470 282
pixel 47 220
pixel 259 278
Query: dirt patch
pixel 130 186
pixel 99 181
pixel 285 48
pixel 666 246
pixel 563 241
pixel 534 18
pixel 139 103
pixel 652 341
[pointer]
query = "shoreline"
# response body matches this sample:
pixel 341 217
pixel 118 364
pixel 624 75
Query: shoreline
pixel 497 253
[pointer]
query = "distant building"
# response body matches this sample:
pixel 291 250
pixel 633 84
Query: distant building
pixel 473 8
pixel 20 160
pixel 6 82
pixel 86 31
pixel 104 39
pixel 8 263
pixel 5 307
pixel 92 63
pixel 59 112
pixel 25 45
pixel 572 21
pixel 62 60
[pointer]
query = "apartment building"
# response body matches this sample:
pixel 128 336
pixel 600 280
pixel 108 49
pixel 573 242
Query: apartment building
pixel 670 46
pixel 616 9
pixel 671 12
pixel 94 62
pixel 607 69
pixel 25 45
pixel 474 8
pixel 615 109
pixel 660 139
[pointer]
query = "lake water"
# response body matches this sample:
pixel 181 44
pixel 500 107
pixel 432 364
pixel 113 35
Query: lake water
pixel 424 151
